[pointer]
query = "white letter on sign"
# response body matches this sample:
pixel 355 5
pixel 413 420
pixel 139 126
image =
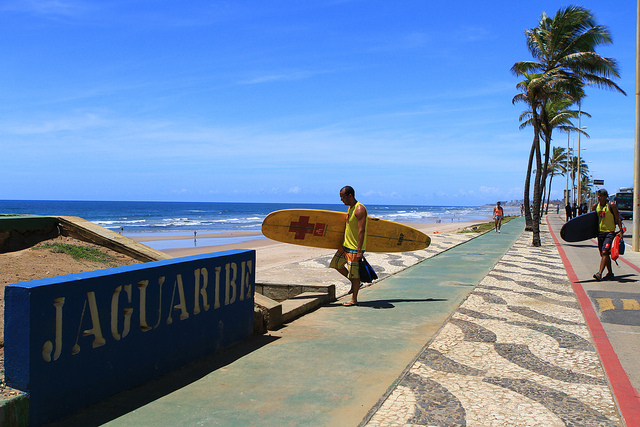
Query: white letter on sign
pixel 48 346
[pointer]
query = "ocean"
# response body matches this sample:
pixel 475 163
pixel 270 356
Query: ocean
pixel 185 218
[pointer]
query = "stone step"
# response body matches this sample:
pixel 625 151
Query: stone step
pixel 302 304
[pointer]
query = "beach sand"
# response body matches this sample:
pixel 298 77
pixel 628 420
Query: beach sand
pixel 270 254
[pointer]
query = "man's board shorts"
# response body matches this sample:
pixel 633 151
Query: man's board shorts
pixel 605 240
pixel 349 257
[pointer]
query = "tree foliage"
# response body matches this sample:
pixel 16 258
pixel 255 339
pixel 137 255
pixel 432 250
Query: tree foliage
pixel 564 63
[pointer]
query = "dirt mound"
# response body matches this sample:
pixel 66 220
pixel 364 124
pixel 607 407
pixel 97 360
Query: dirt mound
pixel 54 257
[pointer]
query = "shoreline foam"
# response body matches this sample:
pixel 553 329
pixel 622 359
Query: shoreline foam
pixel 271 253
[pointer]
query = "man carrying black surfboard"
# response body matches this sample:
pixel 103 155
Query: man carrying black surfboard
pixel 347 259
pixel 608 217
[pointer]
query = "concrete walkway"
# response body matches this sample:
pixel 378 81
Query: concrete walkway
pixel 487 333
pixel 329 367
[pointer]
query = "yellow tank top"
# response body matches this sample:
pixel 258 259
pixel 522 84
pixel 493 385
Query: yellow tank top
pixel 606 220
pixel 351 232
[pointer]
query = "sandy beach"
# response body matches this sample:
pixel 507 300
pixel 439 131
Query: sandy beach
pixel 269 253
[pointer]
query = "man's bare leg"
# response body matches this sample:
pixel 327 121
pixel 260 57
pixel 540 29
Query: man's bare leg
pixel 355 287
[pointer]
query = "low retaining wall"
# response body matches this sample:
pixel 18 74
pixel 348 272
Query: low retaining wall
pixel 72 340
pixel 19 232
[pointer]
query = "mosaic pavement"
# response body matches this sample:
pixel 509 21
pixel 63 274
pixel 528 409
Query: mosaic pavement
pixel 517 352
pixel 386 264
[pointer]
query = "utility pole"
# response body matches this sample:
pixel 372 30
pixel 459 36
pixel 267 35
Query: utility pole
pixel 635 237
pixel 579 191
pixel 567 198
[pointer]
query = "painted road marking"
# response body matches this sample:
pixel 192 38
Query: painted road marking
pixel 605 304
pixel 621 308
pixel 630 304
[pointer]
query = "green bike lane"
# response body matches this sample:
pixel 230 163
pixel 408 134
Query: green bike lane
pixel 329 367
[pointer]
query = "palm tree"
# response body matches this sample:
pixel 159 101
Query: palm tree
pixel 557 166
pixel 586 186
pixel 533 89
pixel 558 116
pixel 584 169
pixel 563 48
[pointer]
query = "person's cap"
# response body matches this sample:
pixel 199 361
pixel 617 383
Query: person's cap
pixel 603 192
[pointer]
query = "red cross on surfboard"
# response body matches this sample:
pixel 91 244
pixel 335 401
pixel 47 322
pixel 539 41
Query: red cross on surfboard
pixel 304 227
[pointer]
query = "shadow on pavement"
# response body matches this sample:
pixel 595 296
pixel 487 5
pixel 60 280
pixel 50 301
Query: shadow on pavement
pixel 119 404
pixel 625 278
pixel 388 303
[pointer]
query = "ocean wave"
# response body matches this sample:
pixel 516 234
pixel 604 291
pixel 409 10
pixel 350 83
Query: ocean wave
pixel 119 222
pixel 187 217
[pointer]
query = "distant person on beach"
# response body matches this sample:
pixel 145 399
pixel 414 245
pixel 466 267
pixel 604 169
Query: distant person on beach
pixel 347 259
pixel 608 217
pixel 522 210
pixel 567 211
pixel 498 214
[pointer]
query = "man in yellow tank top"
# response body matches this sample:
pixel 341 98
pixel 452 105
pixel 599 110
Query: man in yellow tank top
pixel 347 259
pixel 608 217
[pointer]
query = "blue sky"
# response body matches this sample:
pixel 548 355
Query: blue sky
pixel 286 101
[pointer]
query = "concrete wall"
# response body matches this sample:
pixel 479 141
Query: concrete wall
pixel 72 340
pixel 19 232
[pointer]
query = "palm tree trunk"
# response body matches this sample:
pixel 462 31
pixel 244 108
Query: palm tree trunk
pixel 544 195
pixel 549 193
pixel 527 186
pixel 547 148
pixel 537 183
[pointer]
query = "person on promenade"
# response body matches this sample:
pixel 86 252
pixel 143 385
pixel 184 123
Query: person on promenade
pixel 608 217
pixel 347 259
pixel 567 211
pixel 498 214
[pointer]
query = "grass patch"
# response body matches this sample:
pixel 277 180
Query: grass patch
pixel 486 226
pixel 80 253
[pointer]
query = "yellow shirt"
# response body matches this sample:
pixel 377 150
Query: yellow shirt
pixel 606 220
pixel 351 232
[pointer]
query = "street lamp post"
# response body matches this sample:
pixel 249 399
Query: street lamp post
pixel 635 236
pixel 579 132
pixel 566 196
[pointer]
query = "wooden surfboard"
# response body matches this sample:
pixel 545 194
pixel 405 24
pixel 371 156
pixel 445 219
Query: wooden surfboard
pixel 583 227
pixel 325 229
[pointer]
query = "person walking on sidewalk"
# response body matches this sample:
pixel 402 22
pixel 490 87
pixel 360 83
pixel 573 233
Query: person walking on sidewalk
pixel 498 214
pixel 567 211
pixel 608 217
pixel 347 259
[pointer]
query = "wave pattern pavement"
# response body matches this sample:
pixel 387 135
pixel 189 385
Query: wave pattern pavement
pixel 517 352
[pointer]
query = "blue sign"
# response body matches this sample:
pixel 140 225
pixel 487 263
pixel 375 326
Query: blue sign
pixel 72 340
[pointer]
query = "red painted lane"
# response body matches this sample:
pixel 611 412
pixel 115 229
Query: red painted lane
pixel 625 393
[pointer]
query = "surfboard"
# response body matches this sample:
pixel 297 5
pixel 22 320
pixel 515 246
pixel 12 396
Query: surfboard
pixel 583 227
pixel 325 229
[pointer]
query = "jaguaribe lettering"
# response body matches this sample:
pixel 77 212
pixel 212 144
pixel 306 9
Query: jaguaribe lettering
pixel 73 340
pixel 235 280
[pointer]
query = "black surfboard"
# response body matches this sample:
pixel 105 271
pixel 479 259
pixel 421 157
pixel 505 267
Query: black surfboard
pixel 583 227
